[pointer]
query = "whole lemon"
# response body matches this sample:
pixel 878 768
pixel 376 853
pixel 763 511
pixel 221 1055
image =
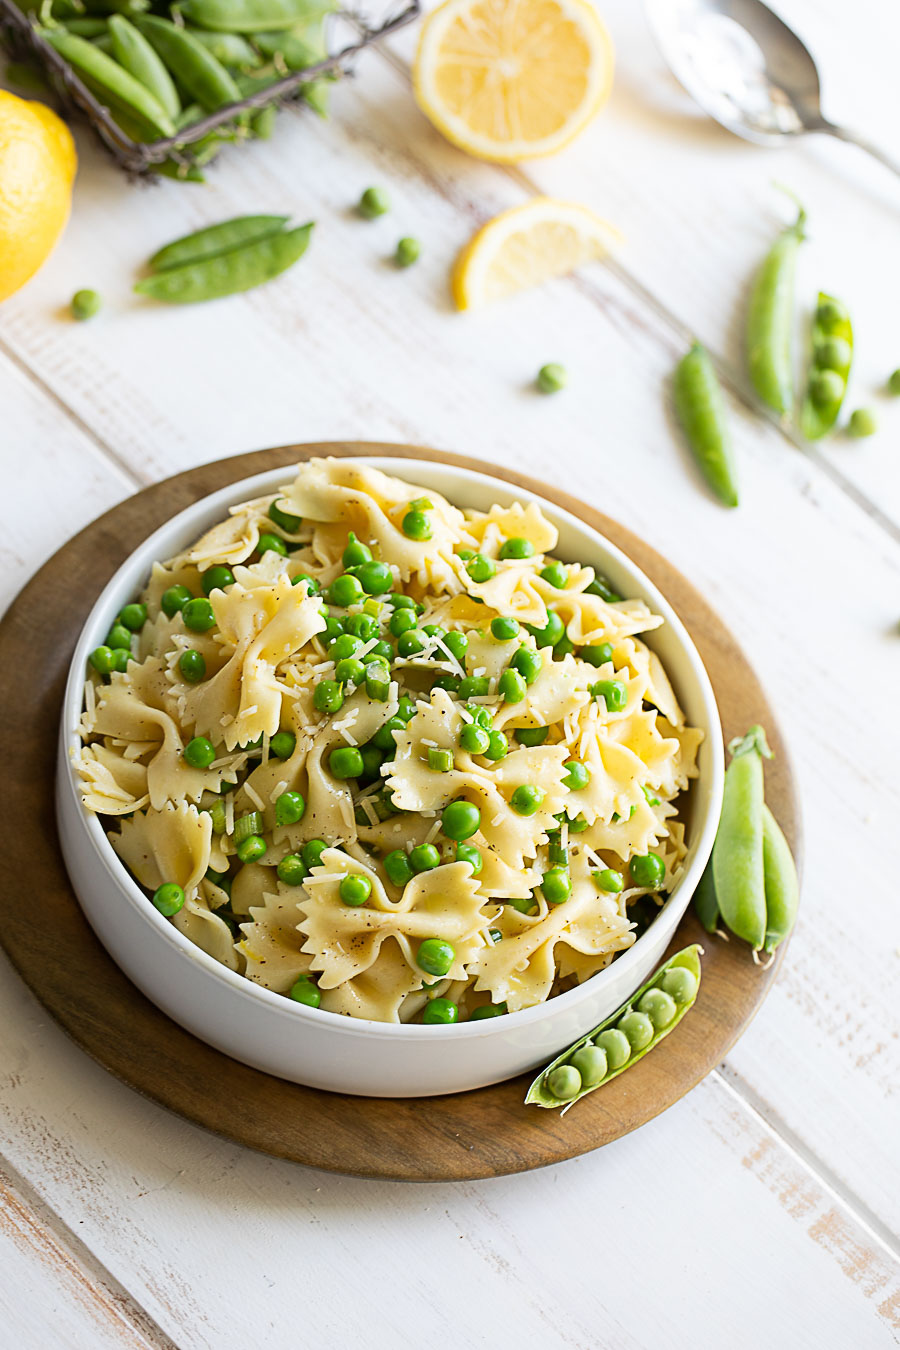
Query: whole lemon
pixel 37 166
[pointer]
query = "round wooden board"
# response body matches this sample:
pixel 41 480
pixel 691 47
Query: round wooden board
pixel 469 1135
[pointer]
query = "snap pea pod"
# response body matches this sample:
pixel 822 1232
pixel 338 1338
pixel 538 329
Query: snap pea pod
pixel 702 413
pixel 183 172
pixel 782 886
pixel 227 273
pixel 109 81
pixel 195 68
pixel 231 49
pixel 262 123
pixel 316 94
pixel 706 902
pixel 252 16
pixel 832 356
pixel 129 7
pixel 770 321
pixel 738 851
pixel 295 50
pixel 215 239
pixel 628 1034
pixel 87 27
pixel 132 50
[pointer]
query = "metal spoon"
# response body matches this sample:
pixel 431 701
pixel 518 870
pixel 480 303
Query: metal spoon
pixel 747 69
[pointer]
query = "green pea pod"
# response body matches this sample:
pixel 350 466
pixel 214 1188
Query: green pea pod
pixel 253 16
pixel 782 886
pixel 706 903
pixel 262 123
pixel 195 68
pixel 192 113
pixel 770 321
pixel 294 50
pixel 216 239
pixel 182 171
pixel 104 43
pixel 233 50
pixel 109 81
pixel 738 851
pixel 607 1051
pixel 832 356
pixel 132 50
pixel 228 273
pixel 129 7
pixel 87 28
pixel 702 413
pixel 317 93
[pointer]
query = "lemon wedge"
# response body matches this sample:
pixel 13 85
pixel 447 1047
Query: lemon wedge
pixel 512 79
pixel 526 246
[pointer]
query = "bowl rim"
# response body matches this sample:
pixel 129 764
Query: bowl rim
pixel 259 484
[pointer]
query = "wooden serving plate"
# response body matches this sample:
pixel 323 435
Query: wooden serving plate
pixel 484 1133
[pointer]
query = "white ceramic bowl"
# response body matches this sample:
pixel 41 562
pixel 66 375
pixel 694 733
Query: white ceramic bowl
pixel 345 1054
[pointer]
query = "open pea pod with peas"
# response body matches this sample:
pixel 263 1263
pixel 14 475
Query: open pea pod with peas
pixel 628 1034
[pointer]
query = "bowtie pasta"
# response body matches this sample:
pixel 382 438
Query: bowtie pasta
pixel 386 757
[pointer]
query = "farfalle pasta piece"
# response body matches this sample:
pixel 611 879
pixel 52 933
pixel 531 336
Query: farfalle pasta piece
pixel 111 784
pixel 235 539
pixel 513 522
pixel 271 942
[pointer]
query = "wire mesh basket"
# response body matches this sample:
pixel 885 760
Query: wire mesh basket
pixel 23 42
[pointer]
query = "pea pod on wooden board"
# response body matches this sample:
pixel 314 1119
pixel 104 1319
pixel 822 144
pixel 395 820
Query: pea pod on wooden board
pixel 195 68
pixel 782 886
pixel 252 16
pixel 109 81
pixel 702 413
pixel 832 356
pixel 628 1034
pixel 132 50
pixel 770 321
pixel 229 234
pixel 737 855
pixel 706 903
pixel 223 274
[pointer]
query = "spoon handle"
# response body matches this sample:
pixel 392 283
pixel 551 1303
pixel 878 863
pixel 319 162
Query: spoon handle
pixel 854 138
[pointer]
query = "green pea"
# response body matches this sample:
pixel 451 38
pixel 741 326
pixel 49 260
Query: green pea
pixel 658 1006
pixel 192 665
pixel 349 671
pixel 834 353
pixel 355 890
pixel 613 692
pixel 198 615
pixel 304 991
pixel 552 378
pixel 375 578
pixel 345 762
pixel 292 870
pixel 251 849
pixel 401 601
pixel 609 880
pixel 121 659
pixel 480 715
pixel 416 525
pixel 527 799
pixel 408 251
pixel 119 637
pixel 511 686
pixel 565 647
pixel 286 519
pixel 457 644
pixel 384 736
pixel 487 1010
pixel 401 621
pixel 826 386
pixel 333 628
pixel 328 696
pixel 480 568
pixel 474 686
pixel 830 313
pixel 564 1082
pixel 893 384
pixel 577 775
pixel 382 651
pixel 424 857
pixel 498 746
pixel 174 599
pixel 440 1012
pixel 556 885
pixel 85 304
pixel 556 574
pixel 345 590
pixel 616 1046
pixel 199 752
pixel 465 554
pixel 504 629
pixel 527 663
pixel 410 644
pixel 591 1063
pixel 312 586
pixel 271 543
pixel 598 655
pixel 282 744
pixel 397 867
pixel 516 548
pixel 344 645
pixel 470 854
pixel 435 956
pixel 638 1029
pixel 312 851
pixel 216 579
pixel 460 820
pixel 474 739
pixel 550 634
pixel 862 423
pixel 361 626
pixel 103 660
pixel 356 553
pixel 290 807
pixel 680 983
pixel 133 617
pixel 406 709
pixel 647 870
pixel 532 736
pixel 600 586
pixel 522 904
pixel 168 898
pixel 373 202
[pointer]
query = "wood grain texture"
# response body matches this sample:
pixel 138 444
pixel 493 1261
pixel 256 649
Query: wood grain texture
pixel 477 1134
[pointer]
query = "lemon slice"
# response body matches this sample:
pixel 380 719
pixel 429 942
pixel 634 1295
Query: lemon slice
pixel 526 246
pixel 512 79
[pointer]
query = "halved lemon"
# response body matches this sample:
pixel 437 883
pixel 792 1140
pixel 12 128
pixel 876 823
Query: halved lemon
pixel 512 79
pixel 526 246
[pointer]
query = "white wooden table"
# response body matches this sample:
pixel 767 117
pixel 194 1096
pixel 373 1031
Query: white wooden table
pixel 762 1209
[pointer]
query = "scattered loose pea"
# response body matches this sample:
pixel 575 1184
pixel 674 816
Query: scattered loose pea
pixel 408 251
pixel 373 202
pixel 552 377
pixel 85 304
pixel 893 384
pixel 289 808
pixel 460 820
pixel 862 423
pixel 424 857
